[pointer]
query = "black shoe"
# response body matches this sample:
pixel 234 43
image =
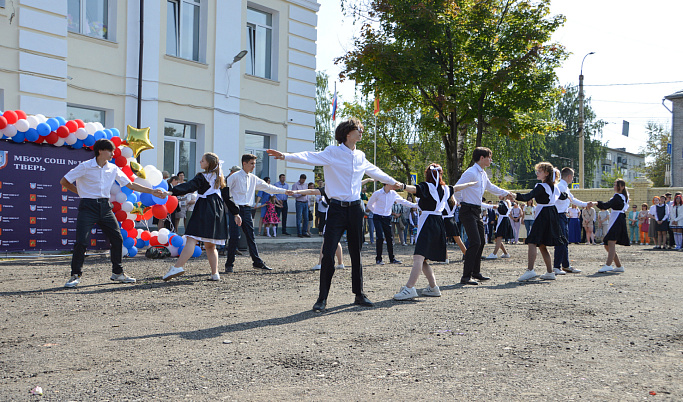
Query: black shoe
pixel 362 300
pixel 468 282
pixel 319 306
pixel 237 252
pixel 228 269
pixel 299 235
pixel 395 261
pixel 481 277
pixel 264 266
pixel 306 235
pixel 286 234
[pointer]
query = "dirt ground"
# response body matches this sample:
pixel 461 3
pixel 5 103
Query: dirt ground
pixel 253 335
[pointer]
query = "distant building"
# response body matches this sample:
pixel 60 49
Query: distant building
pixel 676 139
pixel 630 164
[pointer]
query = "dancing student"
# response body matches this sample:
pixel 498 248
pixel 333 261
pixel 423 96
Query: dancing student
pixel 588 219
pixel 515 218
pixel 546 230
pixel 344 166
pixel 644 220
pixel 381 204
pixel 561 252
pixel 503 228
pixel 676 218
pixel 433 195
pixel 470 200
pixel 92 181
pixel 617 233
pixel 208 223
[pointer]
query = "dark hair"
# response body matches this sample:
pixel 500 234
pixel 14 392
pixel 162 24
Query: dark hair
pixel 678 198
pixel 480 152
pixel 430 179
pixel 566 172
pixel 267 178
pixel 248 158
pixel 103 145
pixel 302 176
pixel 310 183
pixel 621 183
pixel 179 173
pixel 345 127
pixel 173 178
pixel 281 174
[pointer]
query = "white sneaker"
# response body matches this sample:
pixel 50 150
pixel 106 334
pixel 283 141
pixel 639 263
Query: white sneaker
pixel 506 255
pixel 73 281
pixel 316 267
pixel 406 293
pixel 492 257
pixel 215 277
pixel 618 269
pixel 431 292
pixel 571 270
pixel 527 276
pixel 606 268
pixel 172 273
pixel 339 266
pixel 122 278
pixel 548 276
pixel 445 262
pixel 558 271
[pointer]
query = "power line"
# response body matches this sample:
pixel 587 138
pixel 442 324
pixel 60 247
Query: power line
pixel 634 83
pixel 637 103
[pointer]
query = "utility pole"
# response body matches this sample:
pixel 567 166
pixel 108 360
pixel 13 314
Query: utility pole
pixel 582 172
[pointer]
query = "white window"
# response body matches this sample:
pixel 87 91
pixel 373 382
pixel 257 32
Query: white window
pixel 183 28
pixel 89 17
pixel 88 115
pixel 2 3
pixel 257 144
pixel 260 41
pixel 180 148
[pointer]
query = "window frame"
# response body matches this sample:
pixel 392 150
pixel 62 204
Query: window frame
pixel 191 169
pixel 250 65
pixel 104 112
pixel 111 21
pixel 253 150
pixel 181 28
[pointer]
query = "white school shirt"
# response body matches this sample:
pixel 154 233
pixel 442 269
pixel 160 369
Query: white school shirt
pixel 474 194
pixel 563 205
pixel 573 212
pixel 343 169
pixel 243 187
pixel 93 181
pixel 381 202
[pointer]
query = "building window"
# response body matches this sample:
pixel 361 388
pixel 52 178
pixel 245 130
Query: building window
pixel 257 144
pixel 88 115
pixel 89 17
pixel 2 3
pixel 182 28
pixel 260 41
pixel 180 148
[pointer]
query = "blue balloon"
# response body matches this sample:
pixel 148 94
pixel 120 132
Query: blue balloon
pixel 32 135
pixel 19 137
pixel 177 241
pixel 132 197
pixel 132 251
pixel 108 133
pixel 99 135
pixel 90 141
pixel 197 251
pixel 53 123
pixel 140 243
pixel 163 184
pixel 128 242
pixel 126 190
pixel 159 201
pixel 180 249
pixel 43 129
pixel 61 120
pixel 78 144
pixel 115 132
pixel 146 199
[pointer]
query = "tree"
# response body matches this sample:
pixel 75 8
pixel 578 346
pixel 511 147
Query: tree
pixel 655 150
pixel 323 112
pixel 608 179
pixel 473 65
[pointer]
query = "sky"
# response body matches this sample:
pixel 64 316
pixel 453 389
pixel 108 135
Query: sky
pixel 634 42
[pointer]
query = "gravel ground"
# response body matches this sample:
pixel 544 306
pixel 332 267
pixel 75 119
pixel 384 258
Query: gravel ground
pixel 253 335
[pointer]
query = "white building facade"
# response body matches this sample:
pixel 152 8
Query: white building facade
pixel 80 59
pixel 631 165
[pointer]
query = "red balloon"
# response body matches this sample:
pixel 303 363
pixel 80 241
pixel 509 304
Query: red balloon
pixel 138 218
pixel 116 207
pixel 3 122
pixel 10 116
pixel 148 214
pixel 145 235
pixel 20 114
pixel 121 162
pixel 52 138
pixel 80 123
pixel 121 216
pixel 62 131
pixel 117 142
pixel 128 224
pixel 133 233
pixel 117 153
pixel 153 241
pixel 159 211
pixel 171 203
pixel 72 126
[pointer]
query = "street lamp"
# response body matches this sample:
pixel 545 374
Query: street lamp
pixel 237 58
pixel 581 122
pixel 571 161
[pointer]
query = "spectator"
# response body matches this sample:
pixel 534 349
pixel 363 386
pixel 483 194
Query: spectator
pixel 644 221
pixel 529 212
pixel 603 224
pixel 262 199
pixel 311 207
pixel 588 217
pixel 301 207
pixel 652 230
pixel 283 211
pixel 632 221
pixel 516 220
pixel 320 209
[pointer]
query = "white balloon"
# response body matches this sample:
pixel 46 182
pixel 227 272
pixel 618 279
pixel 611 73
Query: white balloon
pixel 139 233
pixel 59 142
pixel 184 240
pixel 125 251
pixel 32 121
pixel 41 118
pixel 154 176
pixel 173 249
pixel 143 182
pixel 163 238
pixel 126 152
pixel 22 125
pixel 121 197
pixel 98 125
pixel 131 159
pixel 90 128
pixel 112 198
pixel 115 188
pixel 164 231
pixel 154 233
pixel 127 206
pixel 131 216
pixel 11 131
pixel 71 139
pixel 81 134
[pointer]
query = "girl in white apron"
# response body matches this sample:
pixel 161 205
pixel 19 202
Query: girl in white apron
pixel 617 233
pixel 433 197
pixel 546 230
pixel 503 229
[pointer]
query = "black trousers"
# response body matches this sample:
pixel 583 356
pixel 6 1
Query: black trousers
pixel 320 221
pixel 248 230
pixel 340 219
pixel 561 252
pixel 470 218
pixel 282 214
pixel 90 212
pixel 383 230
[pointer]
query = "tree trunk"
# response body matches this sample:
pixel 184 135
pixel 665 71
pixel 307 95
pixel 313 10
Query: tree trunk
pixel 454 147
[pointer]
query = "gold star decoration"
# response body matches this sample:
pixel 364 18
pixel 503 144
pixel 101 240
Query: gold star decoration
pixel 138 140
pixel 138 170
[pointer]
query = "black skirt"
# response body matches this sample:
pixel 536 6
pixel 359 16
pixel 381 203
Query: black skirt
pixel 209 219
pixel 618 232
pixel 452 227
pixel 546 229
pixel 660 227
pixel 505 229
pixel 431 242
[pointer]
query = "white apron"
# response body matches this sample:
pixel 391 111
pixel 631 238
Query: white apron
pixel 553 195
pixel 614 214
pixel 500 218
pixel 440 205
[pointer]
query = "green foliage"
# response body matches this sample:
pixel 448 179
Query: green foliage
pixel 608 179
pixel 323 112
pixel 657 159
